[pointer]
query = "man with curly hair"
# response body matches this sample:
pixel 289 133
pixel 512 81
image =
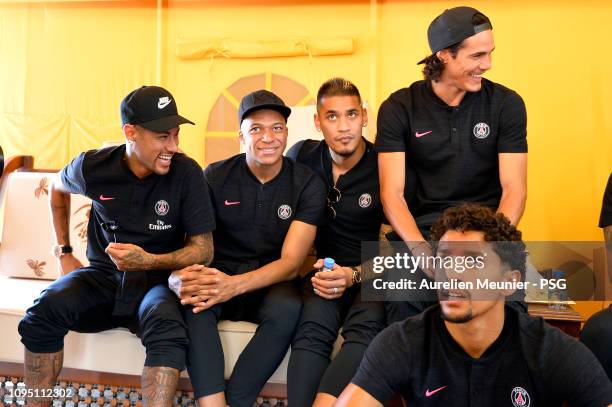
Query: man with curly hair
pixel 467 351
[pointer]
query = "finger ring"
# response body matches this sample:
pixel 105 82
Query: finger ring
pixel 335 290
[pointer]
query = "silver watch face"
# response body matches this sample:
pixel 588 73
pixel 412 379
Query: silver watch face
pixel 57 250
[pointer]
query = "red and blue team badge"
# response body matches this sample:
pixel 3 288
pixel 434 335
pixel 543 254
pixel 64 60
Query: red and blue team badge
pixel 365 200
pixel 284 212
pixel 481 130
pixel 162 207
pixel 520 397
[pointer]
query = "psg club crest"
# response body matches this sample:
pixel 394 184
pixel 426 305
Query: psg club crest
pixel 520 397
pixel 365 200
pixel 284 212
pixel 162 207
pixel 481 130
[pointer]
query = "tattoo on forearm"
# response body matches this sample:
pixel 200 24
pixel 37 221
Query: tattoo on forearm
pixel 159 386
pixel 136 260
pixel 198 250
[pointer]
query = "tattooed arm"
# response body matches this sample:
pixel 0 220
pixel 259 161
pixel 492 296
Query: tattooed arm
pixel 59 201
pixel 198 249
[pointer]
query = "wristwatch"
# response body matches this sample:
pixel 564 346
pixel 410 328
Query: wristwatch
pixel 356 274
pixel 59 250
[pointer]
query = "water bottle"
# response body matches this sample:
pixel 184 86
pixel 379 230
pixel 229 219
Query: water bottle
pixel 557 296
pixel 328 264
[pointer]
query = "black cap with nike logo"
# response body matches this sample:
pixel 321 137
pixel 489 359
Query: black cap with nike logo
pixel 151 107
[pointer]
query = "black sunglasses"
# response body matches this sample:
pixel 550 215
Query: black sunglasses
pixel 111 227
pixel 333 197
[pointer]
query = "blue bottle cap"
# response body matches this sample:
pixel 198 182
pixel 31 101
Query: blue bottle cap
pixel 557 274
pixel 328 263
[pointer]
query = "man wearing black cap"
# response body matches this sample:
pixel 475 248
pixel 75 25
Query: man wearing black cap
pixel 472 349
pixel 150 214
pixel 453 137
pixel 267 208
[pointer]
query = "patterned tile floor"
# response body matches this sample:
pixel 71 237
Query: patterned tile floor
pixel 69 394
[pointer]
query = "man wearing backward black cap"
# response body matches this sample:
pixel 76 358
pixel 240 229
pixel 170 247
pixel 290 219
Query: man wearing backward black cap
pixel 150 214
pixel 451 138
pixel 267 208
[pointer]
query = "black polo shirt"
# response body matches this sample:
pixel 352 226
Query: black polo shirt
pixel 605 219
pixel 451 152
pixel 253 218
pixel 155 212
pixel 530 364
pixel 359 212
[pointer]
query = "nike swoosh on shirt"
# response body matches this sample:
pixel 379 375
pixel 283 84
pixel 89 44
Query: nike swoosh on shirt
pixel 417 134
pixel 431 393
pixel 228 203
pixel 105 198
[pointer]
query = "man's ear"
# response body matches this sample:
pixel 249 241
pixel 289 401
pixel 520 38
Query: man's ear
pixel 240 137
pixel 513 276
pixel 130 133
pixel 365 117
pixel 443 55
pixel 317 121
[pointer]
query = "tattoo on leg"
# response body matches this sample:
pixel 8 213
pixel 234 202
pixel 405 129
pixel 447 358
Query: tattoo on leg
pixel 41 371
pixel 159 386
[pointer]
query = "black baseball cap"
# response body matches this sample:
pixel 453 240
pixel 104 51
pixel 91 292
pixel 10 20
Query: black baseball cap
pixel 453 26
pixel 261 99
pixel 151 107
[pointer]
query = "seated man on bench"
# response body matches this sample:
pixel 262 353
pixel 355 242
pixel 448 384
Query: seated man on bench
pixel 267 208
pixel 151 213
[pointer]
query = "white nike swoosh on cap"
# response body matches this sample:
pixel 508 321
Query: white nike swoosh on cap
pixel 161 104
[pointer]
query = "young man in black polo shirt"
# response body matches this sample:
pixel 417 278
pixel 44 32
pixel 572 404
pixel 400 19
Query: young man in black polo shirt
pixel 471 349
pixel 347 163
pixel 150 214
pixel 453 137
pixel 267 210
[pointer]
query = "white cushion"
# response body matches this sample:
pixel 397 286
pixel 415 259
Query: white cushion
pixel 27 233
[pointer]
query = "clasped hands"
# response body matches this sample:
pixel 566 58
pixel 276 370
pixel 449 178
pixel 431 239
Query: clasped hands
pixel 203 286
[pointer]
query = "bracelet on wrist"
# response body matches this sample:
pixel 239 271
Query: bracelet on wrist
pixel 356 274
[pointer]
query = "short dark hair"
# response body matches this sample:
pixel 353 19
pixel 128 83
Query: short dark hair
pixel 434 67
pixel 337 87
pixel 495 226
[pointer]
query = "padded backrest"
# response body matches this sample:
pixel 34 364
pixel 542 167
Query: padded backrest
pixel 27 233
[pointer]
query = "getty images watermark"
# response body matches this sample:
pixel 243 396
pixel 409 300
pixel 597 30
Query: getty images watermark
pixel 534 271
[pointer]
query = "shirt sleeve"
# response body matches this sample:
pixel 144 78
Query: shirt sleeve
pixel 573 372
pixel 295 149
pixel 513 125
pixel 198 215
pixel 72 175
pixel 311 204
pixel 391 128
pixel 383 369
